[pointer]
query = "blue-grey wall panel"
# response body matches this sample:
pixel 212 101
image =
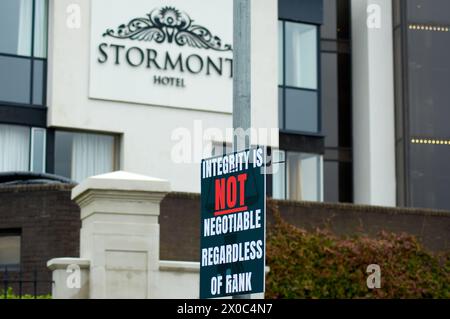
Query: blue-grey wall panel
pixel 309 11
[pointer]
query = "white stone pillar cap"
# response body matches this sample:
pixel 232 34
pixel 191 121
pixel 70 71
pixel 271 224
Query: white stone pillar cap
pixel 122 181
pixel 63 263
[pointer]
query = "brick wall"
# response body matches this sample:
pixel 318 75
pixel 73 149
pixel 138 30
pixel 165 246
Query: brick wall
pixel 50 226
pixel 180 223
pixel 431 227
pixel 180 227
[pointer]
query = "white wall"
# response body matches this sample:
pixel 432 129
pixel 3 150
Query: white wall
pixel 146 130
pixel 178 280
pixel 373 103
pixel 265 65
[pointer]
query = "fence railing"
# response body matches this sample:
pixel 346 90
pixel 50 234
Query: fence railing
pixel 16 284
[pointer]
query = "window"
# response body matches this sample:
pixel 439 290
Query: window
pixel 301 111
pixel 22 149
pixel 23 51
pixel 337 127
pixel 219 149
pixel 9 250
pixel 278 174
pixel 336 101
pixel 81 155
pixel 14 146
pixel 298 176
pixel 329 27
pixel 38 141
pixel 298 77
pixel 280 52
pixel 301 55
pixel 23 33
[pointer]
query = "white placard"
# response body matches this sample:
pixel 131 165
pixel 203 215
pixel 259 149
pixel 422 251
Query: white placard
pixel 168 53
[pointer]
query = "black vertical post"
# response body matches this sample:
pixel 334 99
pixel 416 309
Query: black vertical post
pixel 5 283
pixel 33 12
pixel 50 152
pixel 35 284
pixel 20 283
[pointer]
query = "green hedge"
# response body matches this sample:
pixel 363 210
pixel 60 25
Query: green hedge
pixel 321 265
pixel 11 295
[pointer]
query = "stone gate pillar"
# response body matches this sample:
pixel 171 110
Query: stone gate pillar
pixel 120 233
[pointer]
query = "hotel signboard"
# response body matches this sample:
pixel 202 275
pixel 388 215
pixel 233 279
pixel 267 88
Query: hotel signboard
pixel 232 239
pixel 174 53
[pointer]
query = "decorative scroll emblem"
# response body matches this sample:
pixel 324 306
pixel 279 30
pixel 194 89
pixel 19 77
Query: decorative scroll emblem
pixel 171 25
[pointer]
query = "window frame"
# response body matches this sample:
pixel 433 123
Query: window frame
pixel 285 87
pixel 32 58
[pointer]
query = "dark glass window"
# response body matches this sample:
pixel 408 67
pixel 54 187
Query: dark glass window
pixel 424 11
pixel 329 27
pixel 343 19
pixel 280 108
pixel 336 107
pixel 22 149
pixel 23 51
pixel 16 19
pixel 301 108
pixel 298 77
pixel 422 102
pixel 81 155
pixel 10 250
pixel 297 176
pixel 38 82
pixel 429 178
pixel 429 71
pixel 338 183
pixel 38 147
pixel 330 99
pixel 300 55
pixel 15 79
pixel 331 181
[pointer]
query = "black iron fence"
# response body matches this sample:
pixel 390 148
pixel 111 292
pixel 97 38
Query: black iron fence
pixel 17 284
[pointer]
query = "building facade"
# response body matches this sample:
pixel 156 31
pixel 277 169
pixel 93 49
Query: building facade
pixel 353 89
pixel 422 41
pixel 80 129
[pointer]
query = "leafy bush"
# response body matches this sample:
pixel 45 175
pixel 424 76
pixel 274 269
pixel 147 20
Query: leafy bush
pixel 321 265
pixel 11 295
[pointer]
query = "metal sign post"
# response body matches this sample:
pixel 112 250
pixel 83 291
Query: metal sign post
pixel 241 74
pixel 233 191
pixel 241 79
